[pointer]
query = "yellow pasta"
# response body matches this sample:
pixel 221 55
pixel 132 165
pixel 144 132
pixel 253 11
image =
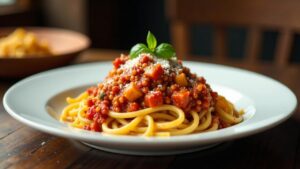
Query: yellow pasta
pixel 131 123
pixel 20 44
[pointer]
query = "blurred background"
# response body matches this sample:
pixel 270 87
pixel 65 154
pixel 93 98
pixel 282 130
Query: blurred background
pixel 118 24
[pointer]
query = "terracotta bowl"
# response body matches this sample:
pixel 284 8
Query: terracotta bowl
pixel 65 44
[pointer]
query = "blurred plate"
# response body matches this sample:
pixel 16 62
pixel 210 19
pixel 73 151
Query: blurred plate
pixel 65 44
pixel 37 101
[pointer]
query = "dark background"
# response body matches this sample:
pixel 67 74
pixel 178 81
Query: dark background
pixel 119 24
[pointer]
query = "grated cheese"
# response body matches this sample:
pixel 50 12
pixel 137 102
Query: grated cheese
pixel 170 65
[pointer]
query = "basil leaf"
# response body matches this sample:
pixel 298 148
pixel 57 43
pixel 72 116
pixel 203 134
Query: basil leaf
pixel 165 51
pixel 138 49
pixel 151 41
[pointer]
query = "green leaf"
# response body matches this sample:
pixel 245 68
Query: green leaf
pixel 151 41
pixel 138 49
pixel 165 51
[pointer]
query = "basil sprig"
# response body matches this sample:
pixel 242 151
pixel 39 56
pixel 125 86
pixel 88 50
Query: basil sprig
pixel 164 50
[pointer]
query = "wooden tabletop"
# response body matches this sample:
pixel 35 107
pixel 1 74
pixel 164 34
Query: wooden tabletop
pixel 279 147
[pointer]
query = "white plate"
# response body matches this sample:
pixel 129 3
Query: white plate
pixel 38 100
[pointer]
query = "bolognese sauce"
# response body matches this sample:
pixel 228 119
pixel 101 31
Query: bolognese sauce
pixel 147 81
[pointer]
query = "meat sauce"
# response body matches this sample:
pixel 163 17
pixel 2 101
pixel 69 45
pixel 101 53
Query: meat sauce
pixel 144 82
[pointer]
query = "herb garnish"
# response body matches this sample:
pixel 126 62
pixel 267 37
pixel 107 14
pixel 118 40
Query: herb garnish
pixel 164 50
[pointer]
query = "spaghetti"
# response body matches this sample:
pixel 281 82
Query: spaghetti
pixel 152 97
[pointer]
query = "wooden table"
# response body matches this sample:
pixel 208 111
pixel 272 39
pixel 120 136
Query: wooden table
pixel 279 147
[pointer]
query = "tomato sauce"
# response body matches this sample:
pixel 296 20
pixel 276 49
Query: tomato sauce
pixel 144 82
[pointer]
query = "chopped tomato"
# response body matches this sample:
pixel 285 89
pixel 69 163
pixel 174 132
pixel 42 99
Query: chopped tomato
pixel 145 59
pixel 181 98
pixel 181 79
pixel 132 92
pixel 116 89
pixel 95 126
pixel 104 109
pixel 156 72
pixel 89 90
pixel 117 62
pixel 90 102
pixel 92 91
pixel 154 99
pixel 91 112
pixel 133 107
pixel 123 79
